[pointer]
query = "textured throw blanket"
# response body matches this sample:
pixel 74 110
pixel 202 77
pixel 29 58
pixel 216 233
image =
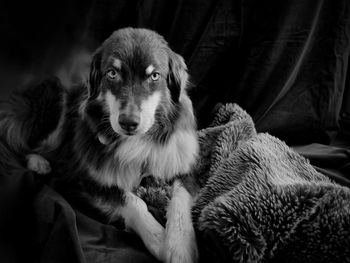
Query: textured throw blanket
pixel 259 201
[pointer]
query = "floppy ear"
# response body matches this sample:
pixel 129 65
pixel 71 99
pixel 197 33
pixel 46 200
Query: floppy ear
pixel 177 76
pixel 95 74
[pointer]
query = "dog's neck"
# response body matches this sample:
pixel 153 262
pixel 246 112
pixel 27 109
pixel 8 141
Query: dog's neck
pixel 163 160
pixel 121 160
pixel 138 155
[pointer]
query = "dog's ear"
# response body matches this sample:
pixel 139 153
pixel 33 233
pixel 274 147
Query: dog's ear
pixel 177 77
pixel 95 74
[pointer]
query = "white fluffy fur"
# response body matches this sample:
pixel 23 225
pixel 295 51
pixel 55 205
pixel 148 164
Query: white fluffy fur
pixel 148 109
pixel 175 157
pixel 113 106
pixel 165 161
pixel 180 241
pixel 138 219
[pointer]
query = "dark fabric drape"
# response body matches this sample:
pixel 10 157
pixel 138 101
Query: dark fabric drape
pixel 285 62
pixel 332 161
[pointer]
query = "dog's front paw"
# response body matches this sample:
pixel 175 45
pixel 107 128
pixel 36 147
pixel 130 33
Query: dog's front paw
pixel 181 247
pixel 38 164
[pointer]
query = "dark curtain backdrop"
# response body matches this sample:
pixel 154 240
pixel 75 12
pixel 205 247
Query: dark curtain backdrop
pixel 285 62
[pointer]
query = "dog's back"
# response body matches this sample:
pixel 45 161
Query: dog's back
pixel 32 115
pixel 37 124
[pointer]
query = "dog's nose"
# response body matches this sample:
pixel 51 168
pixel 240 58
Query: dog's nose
pixel 129 123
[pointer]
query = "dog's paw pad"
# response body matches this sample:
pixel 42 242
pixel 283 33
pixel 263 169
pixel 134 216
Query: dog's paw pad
pixel 38 164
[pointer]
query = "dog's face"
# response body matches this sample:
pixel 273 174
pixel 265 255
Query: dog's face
pixel 134 74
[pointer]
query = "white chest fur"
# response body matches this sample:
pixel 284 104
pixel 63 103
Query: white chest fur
pixel 164 161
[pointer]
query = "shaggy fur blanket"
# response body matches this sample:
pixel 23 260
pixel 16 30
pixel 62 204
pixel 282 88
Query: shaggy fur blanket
pixel 259 201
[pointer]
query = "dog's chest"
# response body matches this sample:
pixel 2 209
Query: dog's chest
pixel 138 155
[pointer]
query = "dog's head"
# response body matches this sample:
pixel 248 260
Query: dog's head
pixel 132 74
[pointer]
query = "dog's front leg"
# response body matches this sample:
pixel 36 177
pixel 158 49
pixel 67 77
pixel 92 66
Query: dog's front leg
pixel 140 220
pixel 180 239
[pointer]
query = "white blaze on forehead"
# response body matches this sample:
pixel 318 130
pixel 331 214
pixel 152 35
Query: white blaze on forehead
pixel 148 110
pixel 113 106
pixel 149 69
pixel 117 63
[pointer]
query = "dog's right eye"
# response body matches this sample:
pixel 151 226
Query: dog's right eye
pixel 112 73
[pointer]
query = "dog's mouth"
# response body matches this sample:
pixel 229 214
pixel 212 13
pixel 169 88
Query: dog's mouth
pixel 108 138
pixel 106 133
pixel 129 133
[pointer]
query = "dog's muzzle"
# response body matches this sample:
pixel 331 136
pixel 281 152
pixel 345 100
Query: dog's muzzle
pixel 129 123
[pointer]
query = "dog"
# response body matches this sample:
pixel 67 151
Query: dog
pixel 133 118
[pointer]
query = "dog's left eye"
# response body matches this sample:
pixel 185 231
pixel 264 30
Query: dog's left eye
pixel 112 73
pixel 155 76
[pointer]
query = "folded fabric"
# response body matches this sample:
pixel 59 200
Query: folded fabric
pixel 259 201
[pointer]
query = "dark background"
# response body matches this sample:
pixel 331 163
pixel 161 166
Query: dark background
pixel 285 62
